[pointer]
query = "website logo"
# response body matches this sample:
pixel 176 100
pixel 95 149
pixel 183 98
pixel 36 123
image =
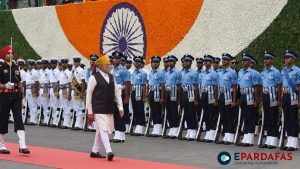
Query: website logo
pixel 224 158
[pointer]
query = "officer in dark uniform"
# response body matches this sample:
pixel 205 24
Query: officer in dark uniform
pixel 291 100
pixel 11 99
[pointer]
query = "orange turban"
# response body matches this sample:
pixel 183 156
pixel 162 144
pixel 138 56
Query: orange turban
pixel 103 60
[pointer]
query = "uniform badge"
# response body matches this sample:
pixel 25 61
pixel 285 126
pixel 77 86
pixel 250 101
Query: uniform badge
pixel 5 71
pixel 270 77
pixel 17 72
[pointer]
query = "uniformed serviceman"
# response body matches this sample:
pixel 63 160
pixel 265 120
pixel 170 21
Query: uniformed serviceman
pixel 216 64
pixel 291 100
pixel 199 71
pixel 54 92
pixel 32 82
pixel 256 112
pixel 21 63
pixel 128 64
pixel 227 98
pixel 173 86
pixel 93 58
pixel 272 94
pixel 249 82
pixel 11 99
pixel 123 60
pixel 166 64
pixel 190 97
pixel 44 84
pixel 78 93
pixel 156 88
pixel 65 79
pixel 138 96
pixel 209 91
pixel 122 77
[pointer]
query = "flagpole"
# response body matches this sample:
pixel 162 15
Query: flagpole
pixel 11 47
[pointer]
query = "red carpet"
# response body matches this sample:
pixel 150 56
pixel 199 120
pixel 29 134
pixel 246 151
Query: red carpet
pixel 57 158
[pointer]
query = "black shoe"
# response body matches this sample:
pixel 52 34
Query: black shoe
pixel 166 136
pixel 248 145
pixel 284 148
pixel 190 139
pixel 220 142
pixel 263 146
pixel 64 127
pixel 110 156
pixel 4 151
pixel 202 140
pixel 117 141
pixel 208 141
pixel 155 135
pixel 24 151
pixel 96 155
pixel 138 134
pixel 271 147
pixel 228 143
pixel 173 137
pixel 291 149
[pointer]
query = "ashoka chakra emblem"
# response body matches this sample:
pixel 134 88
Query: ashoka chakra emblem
pixel 123 30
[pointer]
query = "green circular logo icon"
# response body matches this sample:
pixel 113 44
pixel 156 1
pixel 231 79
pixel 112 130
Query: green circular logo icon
pixel 224 158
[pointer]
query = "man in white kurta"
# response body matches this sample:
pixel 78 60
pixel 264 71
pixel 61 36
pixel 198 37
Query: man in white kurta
pixel 104 121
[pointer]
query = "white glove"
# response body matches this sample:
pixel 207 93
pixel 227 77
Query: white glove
pixel 9 85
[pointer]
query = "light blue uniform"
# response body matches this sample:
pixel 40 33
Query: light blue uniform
pixel 209 80
pixel 138 79
pixel 247 80
pixel 173 78
pixel 189 79
pixel 294 74
pixel 271 77
pixel 121 75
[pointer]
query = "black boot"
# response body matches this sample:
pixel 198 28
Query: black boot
pixel 24 151
pixel 4 151
pixel 110 156
pixel 96 155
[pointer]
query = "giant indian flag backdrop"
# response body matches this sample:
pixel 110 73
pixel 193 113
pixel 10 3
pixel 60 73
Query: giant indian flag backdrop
pixel 146 28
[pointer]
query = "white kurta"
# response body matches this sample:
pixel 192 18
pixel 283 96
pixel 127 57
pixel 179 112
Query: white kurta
pixel 104 121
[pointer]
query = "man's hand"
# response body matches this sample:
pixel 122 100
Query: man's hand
pixel 9 85
pixel 69 97
pixel 90 118
pixel 121 113
pixel 144 99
